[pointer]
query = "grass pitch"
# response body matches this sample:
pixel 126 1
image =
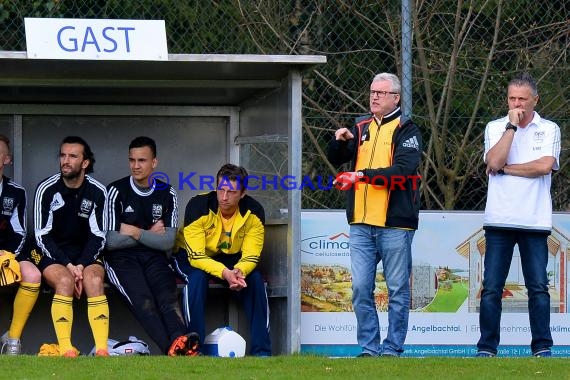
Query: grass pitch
pixel 280 367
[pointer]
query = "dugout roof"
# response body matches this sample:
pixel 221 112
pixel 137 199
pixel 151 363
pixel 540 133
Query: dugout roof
pixel 185 79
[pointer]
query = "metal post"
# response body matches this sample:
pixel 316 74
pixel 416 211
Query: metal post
pixel 406 58
pixel 294 204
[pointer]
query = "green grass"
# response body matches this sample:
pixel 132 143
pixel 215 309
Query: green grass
pixel 448 301
pixel 280 367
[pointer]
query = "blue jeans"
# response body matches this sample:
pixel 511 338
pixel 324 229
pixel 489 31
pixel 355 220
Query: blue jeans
pixel 534 259
pixel 368 246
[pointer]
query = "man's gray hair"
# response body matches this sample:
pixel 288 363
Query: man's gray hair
pixel 396 87
pixel 525 79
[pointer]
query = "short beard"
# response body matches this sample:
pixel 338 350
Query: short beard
pixel 71 175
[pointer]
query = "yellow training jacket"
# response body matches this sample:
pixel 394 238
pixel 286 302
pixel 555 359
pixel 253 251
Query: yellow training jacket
pixel 10 269
pixel 203 226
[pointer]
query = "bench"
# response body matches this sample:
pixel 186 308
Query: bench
pixel 232 308
pixel 39 328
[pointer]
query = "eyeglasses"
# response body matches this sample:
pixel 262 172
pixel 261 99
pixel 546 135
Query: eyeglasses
pixel 381 94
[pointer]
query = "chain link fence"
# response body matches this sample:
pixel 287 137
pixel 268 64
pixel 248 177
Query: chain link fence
pixel 464 54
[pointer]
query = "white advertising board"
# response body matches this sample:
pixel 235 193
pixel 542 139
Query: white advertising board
pixel 446 283
pixel 96 39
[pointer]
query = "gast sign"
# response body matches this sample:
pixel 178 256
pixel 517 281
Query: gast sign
pixel 64 38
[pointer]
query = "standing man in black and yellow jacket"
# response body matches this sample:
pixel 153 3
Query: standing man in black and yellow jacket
pixel 223 237
pixel 382 210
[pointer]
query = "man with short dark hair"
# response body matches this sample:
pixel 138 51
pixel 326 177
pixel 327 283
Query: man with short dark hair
pixel 142 218
pixel 222 238
pixel 521 151
pixel 70 235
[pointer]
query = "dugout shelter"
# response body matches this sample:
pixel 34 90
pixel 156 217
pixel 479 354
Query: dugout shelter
pixel 203 111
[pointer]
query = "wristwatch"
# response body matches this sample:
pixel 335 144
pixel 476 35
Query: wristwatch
pixel 511 126
pixel 359 175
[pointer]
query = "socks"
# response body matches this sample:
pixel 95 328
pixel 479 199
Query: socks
pixel 23 304
pixel 98 314
pixel 62 316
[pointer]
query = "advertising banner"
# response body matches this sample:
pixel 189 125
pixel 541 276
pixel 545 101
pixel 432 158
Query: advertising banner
pixel 448 252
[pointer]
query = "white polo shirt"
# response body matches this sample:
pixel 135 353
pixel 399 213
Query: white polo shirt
pixel 519 202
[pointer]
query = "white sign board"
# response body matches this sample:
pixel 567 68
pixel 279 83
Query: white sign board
pixel 446 284
pixel 64 38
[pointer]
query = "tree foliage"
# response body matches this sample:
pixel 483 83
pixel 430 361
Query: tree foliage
pixel 464 54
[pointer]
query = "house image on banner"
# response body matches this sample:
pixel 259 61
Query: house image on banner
pixel 515 299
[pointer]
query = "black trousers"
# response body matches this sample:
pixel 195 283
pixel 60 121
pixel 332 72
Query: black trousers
pixel 148 284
